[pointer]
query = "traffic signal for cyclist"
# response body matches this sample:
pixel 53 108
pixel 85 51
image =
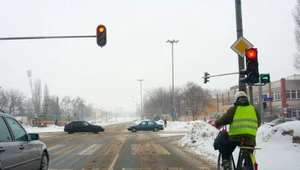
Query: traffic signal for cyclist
pixel 206 77
pixel 101 35
pixel 265 78
pixel 251 72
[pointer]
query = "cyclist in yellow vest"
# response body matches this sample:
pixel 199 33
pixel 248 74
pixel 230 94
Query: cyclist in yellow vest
pixel 243 120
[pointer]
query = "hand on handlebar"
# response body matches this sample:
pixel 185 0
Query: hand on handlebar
pixel 213 123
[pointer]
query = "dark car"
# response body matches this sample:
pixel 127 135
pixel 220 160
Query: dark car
pixel 82 126
pixel 20 150
pixel 147 125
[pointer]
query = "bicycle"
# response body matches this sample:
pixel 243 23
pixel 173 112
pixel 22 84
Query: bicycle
pixel 246 159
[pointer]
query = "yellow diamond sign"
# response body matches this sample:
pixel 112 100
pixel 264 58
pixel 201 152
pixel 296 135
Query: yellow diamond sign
pixel 241 45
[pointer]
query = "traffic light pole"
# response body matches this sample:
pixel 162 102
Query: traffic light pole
pixel 261 102
pixel 239 32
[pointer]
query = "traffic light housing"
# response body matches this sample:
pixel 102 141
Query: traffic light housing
pixel 101 35
pixel 206 77
pixel 251 72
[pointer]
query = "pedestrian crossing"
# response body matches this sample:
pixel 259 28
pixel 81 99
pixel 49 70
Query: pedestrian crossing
pixel 167 168
pixel 62 149
pixel 69 156
pixel 90 150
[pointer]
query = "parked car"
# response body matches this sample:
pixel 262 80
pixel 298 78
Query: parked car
pixel 82 126
pixel 161 122
pixel 279 121
pixel 20 150
pixel 146 125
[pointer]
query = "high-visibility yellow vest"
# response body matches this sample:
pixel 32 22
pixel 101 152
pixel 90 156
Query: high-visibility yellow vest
pixel 244 121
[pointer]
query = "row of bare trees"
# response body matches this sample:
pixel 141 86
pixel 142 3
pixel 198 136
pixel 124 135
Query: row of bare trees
pixel 16 103
pixel 296 14
pixel 190 98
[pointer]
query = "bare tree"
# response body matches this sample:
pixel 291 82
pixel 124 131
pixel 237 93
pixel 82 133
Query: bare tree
pixel 14 99
pixel 65 106
pixel 46 100
pixel 157 102
pixel 179 102
pixel 37 98
pixel 196 99
pixel 3 100
pixel 296 14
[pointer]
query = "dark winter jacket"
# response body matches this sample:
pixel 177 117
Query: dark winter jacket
pixel 228 118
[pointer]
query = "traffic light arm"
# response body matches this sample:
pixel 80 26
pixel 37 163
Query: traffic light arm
pixel 47 37
pixel 208 76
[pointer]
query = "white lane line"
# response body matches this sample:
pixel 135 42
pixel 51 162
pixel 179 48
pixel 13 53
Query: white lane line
pixel 66 150
pixel 113 163
pixel 90 150
pixel 135 148
pixel 54 147
pixel 160 149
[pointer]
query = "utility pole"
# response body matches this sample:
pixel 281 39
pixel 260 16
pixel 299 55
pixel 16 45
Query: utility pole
pixel 140 80
pixel 56 122
pixel 239 32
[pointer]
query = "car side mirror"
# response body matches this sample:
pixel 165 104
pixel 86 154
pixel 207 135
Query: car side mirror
pixel 34 136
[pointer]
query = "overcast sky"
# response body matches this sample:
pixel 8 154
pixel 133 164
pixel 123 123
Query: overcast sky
pixel 137 32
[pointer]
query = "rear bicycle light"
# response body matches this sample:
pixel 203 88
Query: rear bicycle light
pixel 255 166
pixel 243 140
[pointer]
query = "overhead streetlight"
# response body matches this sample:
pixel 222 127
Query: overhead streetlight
pixel 172 42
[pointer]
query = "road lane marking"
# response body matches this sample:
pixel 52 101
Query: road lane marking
pixel 113 162
pixel 54 147
pixel 160 149
pixel 90 150
pixel 135 148
pixel 66 150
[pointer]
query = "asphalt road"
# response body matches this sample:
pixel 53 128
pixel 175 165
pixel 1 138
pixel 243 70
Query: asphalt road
pixel 119 149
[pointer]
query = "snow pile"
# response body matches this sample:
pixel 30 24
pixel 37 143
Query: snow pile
pixel 200 139
pixel 179 126
pixel 283 131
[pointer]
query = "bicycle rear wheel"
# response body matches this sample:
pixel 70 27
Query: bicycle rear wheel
pixel 245 161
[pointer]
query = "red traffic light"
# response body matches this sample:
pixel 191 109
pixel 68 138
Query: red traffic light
pixel 251 53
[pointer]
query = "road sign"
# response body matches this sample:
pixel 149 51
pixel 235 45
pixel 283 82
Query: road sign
pixel 268 99
pixel 240 45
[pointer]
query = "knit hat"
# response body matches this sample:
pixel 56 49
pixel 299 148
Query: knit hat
pixel 239 94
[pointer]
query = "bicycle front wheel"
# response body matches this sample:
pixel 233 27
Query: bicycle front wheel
pixel 220 161
pixel 219 165
pixel 245 162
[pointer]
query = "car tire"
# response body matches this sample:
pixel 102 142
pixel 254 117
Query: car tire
pixel 155 129
pixel 96 132
pixel 70 132
pixel 133 130
pixel 44 162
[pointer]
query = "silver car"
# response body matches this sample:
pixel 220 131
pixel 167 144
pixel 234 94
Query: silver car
pixel 280 121
pixel 20 150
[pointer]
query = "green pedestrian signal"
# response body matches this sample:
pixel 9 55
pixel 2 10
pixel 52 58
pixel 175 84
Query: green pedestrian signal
pixel 265 78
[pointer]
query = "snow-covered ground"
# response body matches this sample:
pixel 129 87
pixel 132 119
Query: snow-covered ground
pixel 277 153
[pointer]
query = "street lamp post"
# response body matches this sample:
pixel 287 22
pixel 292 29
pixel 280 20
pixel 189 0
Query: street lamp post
pixel 172 42
pixel 141 97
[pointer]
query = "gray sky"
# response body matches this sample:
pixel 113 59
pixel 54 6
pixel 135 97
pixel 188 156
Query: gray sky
pixel 136 47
